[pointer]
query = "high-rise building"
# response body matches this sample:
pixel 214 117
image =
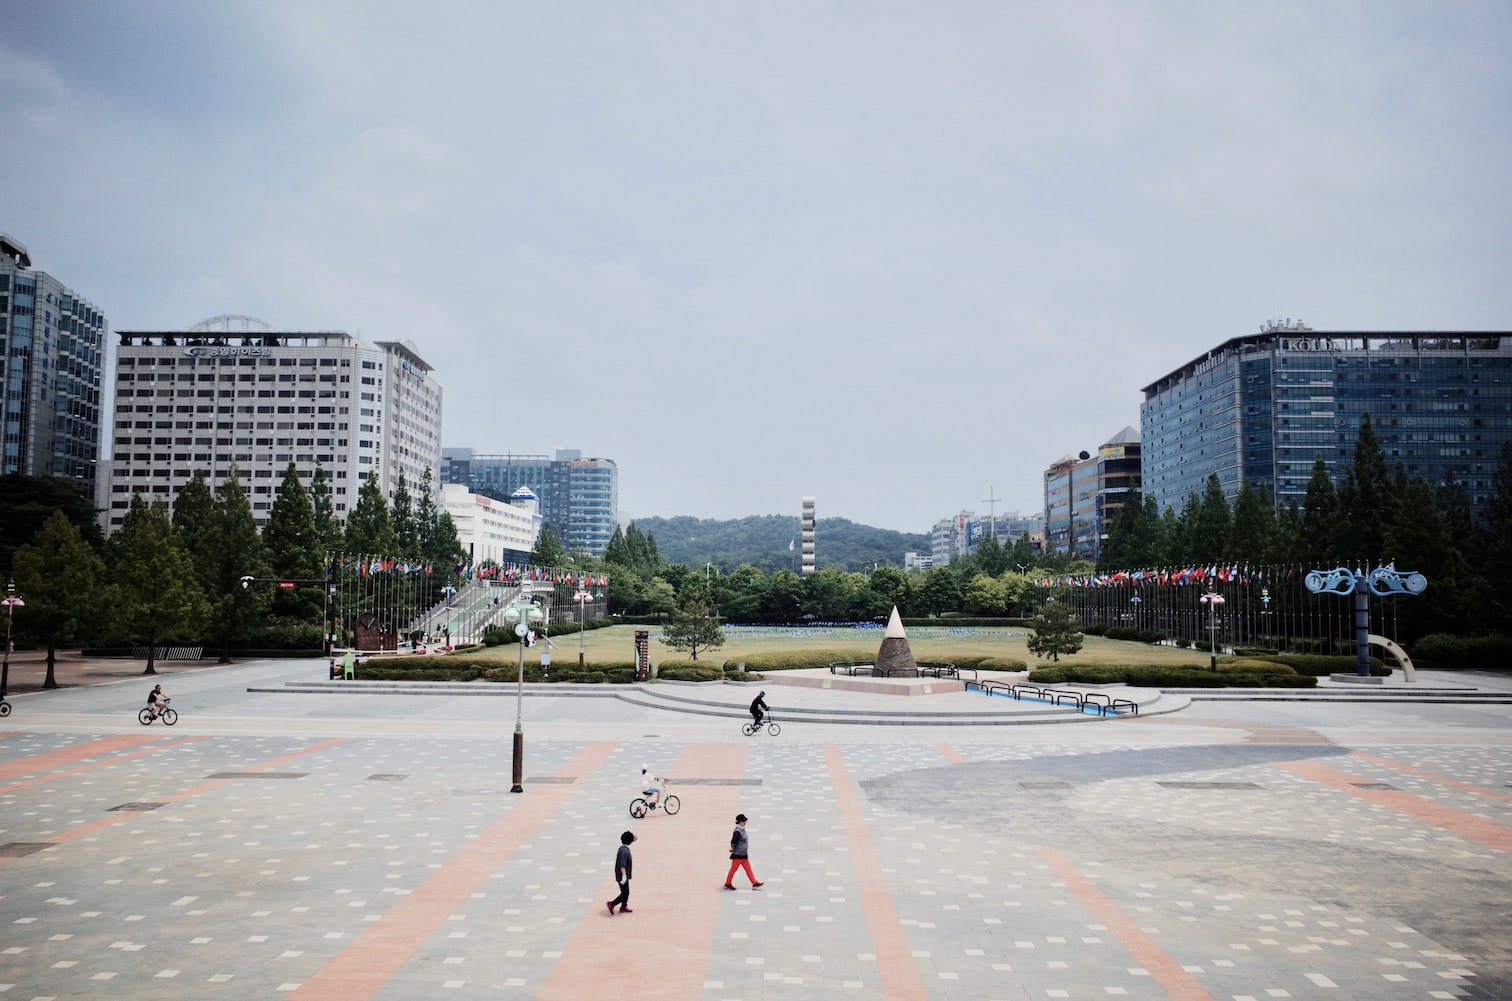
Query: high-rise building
pixel 1084 494
pixel 1261 409
pixel 579 498
pixel 963 534
pixel 54 349
pixel 233 392
pixel 488 529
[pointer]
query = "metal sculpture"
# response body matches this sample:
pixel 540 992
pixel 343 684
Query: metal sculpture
pixel 1382 581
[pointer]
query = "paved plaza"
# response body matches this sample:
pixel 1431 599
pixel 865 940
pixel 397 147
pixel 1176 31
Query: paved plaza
pixel 283 843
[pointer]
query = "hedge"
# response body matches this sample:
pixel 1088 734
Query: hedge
pixel 1320 665
pixel 797 660
pixel 1168 676
pixel 1443 650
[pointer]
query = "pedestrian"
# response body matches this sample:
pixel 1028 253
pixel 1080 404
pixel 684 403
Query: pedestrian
pixel 622 875
pixel 740 855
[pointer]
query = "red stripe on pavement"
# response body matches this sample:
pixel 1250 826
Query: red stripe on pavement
pixel 660 950
pixel 1466 825
pixel 362 968
pixel 1430 775
pixel 1145 951
pixel 950 754
pixel 48 760
pixel 896 969
pixel 97 764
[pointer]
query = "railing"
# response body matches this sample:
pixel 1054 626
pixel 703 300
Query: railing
pixel 1097 703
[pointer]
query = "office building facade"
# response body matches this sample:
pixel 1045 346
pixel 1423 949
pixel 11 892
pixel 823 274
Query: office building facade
pixel 1262 408
pixel 501 531
pixel 579 498
pixel 234 392
pixel 964 534
pixel 1084 493
pixel 54 350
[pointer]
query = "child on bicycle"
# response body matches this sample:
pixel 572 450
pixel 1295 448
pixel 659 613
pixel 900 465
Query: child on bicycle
pixel 650 787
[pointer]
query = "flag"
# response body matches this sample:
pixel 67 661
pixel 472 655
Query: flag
pixel 790 544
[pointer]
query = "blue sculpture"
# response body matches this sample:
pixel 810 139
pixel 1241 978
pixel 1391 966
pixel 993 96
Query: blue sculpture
pixel 1382 581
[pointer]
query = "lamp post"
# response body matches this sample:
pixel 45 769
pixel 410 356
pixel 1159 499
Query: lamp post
pixel 520 613
pixel 582 598
pixel 11 603
pixel 1135 602
pixel 1212 599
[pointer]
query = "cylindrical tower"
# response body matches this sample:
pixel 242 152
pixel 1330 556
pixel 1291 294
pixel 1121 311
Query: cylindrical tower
pixel 808 536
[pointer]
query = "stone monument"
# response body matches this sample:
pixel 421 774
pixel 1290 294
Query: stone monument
pixel 894 656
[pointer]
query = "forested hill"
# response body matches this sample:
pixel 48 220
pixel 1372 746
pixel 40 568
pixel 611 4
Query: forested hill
pixel 762 541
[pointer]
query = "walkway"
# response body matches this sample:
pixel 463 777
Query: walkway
pixel 366 846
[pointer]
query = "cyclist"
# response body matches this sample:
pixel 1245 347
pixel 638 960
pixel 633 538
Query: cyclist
pixel 758 709
pixel 650 787
pixel 156 700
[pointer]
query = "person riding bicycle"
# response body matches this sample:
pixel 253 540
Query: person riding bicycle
pixel 651 787
pixel 758 709
pixel 156 700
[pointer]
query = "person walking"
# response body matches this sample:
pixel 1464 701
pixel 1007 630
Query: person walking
pixel 622 863
pixel 740 855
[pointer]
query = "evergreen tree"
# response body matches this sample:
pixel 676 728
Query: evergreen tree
pixel 990 558
pixel 616 551
pixel 60 577
pixel 1212 525
pixel 938 591
pixel 1286 545
pixel 1320 520
pixel 1365 501
pixel 1254 526
pixel 548 550
pixel 1021 556
pixel 446 547
pixel 693 628
pixel 328 533
pixel 233 550
pixel 27 502
pixel 426 516
pixel 194 519
pixel 369 531
pixel 156 595
pixel 406 529
pixel 293 551
pixel 1055 630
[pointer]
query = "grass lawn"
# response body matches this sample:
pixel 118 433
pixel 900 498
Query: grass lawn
pixel 617 644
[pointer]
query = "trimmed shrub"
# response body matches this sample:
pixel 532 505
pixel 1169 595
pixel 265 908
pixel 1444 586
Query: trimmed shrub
pixel 684 673
pixel 1151 636
pixel 1320 666
pixel 1095 629
pixel 1254 651
pixel 1183 642
pixel 1124 633
pixel 797 660
pixel 978 662
pixel 1168 676
pixel 1445 650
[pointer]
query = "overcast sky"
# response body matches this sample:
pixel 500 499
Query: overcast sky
pixel 896 256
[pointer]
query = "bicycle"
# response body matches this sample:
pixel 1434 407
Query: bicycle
pixel 167 715
pixel 5 708
pixel 640 806
pixel 750 729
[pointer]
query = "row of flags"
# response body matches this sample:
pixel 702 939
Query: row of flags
pixel 1175 577
pixel 363 566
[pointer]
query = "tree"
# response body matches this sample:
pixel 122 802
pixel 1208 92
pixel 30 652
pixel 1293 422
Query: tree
pixel 548 550
pixel 693 628
pixel 1254 525
pixel 426 516
pixel 1365 501
pixel 27 502
pixel 1320 517
pixel 1055 631
pixel 156 595
pixel 60 577
pixel 327 526
pixel 986 595
pixel 232 551
pixel 406 529
pixel 938 592
pixel 293 551
pixel 990 557
pixel 369 529
pixel 1210 525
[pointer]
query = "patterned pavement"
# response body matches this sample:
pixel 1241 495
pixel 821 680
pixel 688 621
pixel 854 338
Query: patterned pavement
pixel 363 846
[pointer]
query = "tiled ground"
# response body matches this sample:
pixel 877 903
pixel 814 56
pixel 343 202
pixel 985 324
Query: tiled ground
pixel 1151 860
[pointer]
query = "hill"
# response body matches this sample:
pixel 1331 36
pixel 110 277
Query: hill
pixel 762 541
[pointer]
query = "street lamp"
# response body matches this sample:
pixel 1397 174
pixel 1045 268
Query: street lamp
pixel 11 603
pixel 1212 599
pixel 1135 602
pixel 521 613
pixel 582 598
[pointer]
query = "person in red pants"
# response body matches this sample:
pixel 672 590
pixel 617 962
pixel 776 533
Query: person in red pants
pixel 740 855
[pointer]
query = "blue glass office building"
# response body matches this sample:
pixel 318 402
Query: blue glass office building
pixel 579 498
pixel 1262 408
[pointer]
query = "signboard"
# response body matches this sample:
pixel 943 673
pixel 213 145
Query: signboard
pixel 642 655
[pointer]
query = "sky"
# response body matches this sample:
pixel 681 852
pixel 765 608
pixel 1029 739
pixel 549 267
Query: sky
pixel 897 256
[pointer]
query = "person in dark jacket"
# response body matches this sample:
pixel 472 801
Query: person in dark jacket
pixel 740 855
pixel 758 707
pixel 622 863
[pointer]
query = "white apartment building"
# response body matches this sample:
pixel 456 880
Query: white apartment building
pixel 232 391
pixel 492 529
